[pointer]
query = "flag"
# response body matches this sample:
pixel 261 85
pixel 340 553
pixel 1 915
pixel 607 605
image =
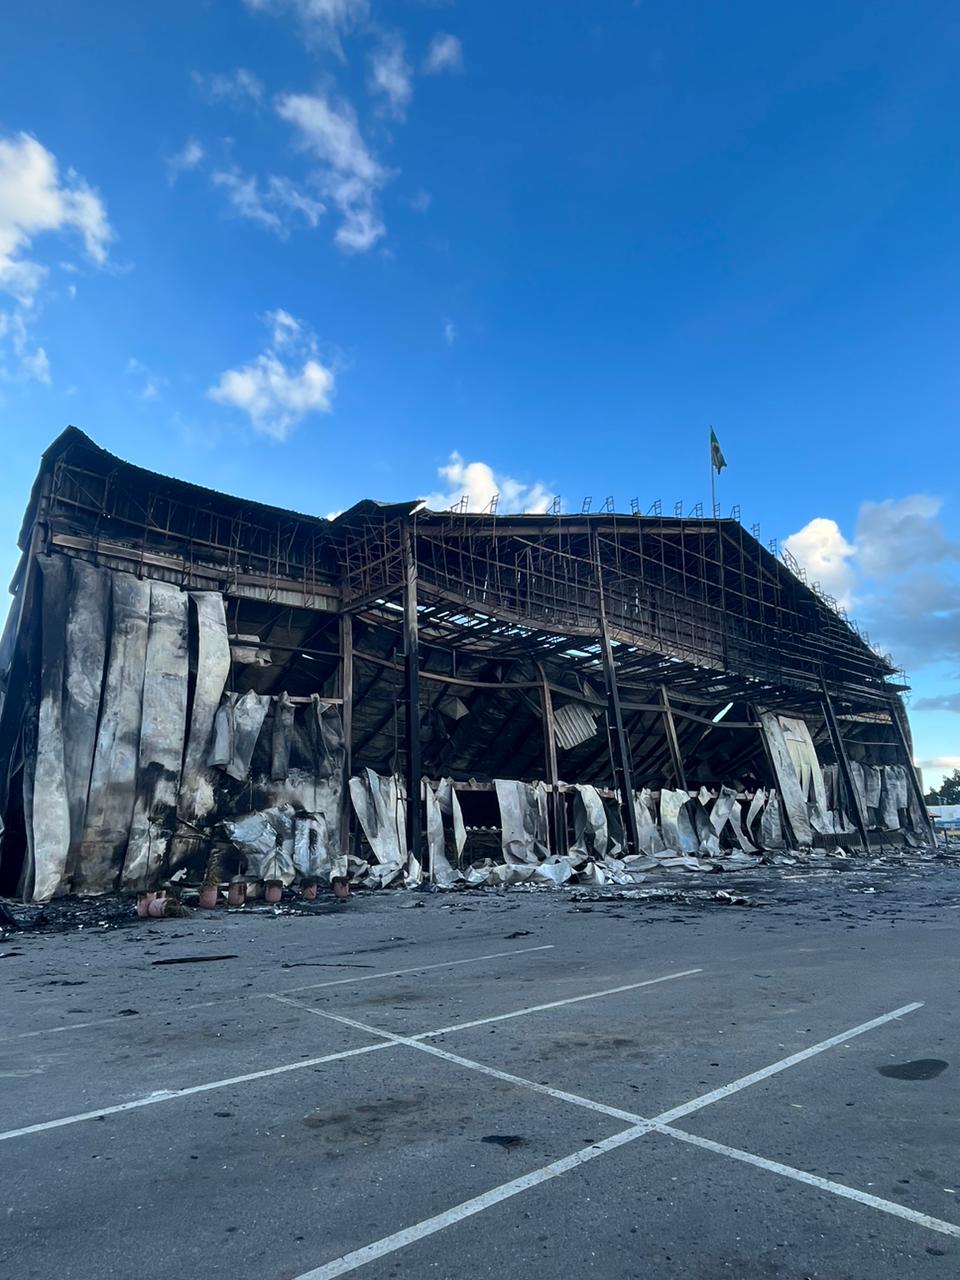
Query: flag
pixel 716 453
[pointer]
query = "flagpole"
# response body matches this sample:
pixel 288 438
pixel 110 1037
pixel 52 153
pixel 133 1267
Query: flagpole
pixel 713 480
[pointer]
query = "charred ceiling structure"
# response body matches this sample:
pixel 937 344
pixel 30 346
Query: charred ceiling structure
pixel 198 687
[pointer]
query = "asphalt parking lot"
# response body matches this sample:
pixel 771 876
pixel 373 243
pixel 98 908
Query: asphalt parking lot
pixel 477 1084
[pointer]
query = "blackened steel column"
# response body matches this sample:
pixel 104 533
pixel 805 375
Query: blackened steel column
pixel 411 653
pixel 346 693
pixel 620 743
pixel 673 742
pixel 840 751
pixel 897 716
pixel 554 800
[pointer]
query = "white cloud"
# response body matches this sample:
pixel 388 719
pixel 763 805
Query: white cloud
pixel 282 385
pixel 351 175
pixel 33 200
pixel 273 205
pixel 190 156
pixel 941 702
pixel 480 484
pixel 391 76
pixel 445 54
pixel 150 383
pixel 450 332
pixel 900 574
pixel 29 360
pixel 897 534
pixel 944 764
pixel 236 88
pixel 285 328
pixel 323 22
pixel 821 549
pixel 420 201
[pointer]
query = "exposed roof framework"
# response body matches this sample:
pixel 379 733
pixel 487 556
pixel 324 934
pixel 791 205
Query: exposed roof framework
pixel 688 624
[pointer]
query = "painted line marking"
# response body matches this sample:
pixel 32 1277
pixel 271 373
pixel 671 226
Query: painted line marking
pixel 400 1239
pixel 556 1004
pixel 386 1041
pixel 260 995
pixel 811 1179
pixel 409 1235
pixel 416 1042
pixel 706 1099
pixel 166 1095
pixel 418 968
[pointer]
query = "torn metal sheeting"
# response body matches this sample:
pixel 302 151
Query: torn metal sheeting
pixel 574 725
pixel 399 695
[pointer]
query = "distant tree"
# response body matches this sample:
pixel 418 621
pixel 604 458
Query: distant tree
pixel 949 792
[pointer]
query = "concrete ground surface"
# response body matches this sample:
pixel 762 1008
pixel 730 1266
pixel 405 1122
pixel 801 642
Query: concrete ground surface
pixel 493 1084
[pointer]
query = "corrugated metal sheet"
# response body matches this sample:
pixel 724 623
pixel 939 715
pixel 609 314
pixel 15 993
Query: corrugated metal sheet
pixel 574 724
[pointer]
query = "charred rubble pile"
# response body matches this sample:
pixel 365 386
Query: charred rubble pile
pixel 201 691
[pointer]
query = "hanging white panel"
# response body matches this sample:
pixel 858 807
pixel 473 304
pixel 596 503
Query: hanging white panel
pixel 589 823
pixel 650 839
pixel 381 809
pixel 894 796
pixel 678 820
pixel 86 658
pixel 281 737
pixel 114 773
pixel 523 820
pixel 771 827
pixel 441 872
pixel 249 713
pixel 794 798
pixel 754 811
pixel 196 799
pixel 450 805
pixel 50 807
pixel 162 732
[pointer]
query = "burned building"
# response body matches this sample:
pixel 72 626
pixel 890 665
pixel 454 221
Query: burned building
pixel 198 686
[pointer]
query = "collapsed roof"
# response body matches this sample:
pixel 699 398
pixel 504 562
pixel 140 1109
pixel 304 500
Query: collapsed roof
pixel 614 650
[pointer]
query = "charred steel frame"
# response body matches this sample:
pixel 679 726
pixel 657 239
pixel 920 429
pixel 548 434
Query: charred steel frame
pixel 674 616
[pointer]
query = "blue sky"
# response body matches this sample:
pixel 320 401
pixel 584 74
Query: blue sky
pixel 314 250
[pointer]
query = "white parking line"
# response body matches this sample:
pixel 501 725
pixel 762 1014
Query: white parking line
pixel 167 1095
pixel 416 1042
pixel 556 1004
pixel 811 1179
pixel 755 1077
pixel 398 1240
pixel 259 995
pixel 386 1041
pixel 417 968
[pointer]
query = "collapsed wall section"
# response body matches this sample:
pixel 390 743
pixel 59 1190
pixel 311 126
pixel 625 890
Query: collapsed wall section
pixel 133 753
